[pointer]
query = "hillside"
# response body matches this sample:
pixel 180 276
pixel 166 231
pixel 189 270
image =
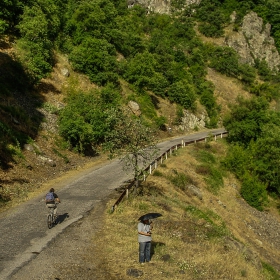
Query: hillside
pixel 217 237
pixel 45 156
pixel 201 235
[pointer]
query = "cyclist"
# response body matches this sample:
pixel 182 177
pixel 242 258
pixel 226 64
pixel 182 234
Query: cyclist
pixel 52 200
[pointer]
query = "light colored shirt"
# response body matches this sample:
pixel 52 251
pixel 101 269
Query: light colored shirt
pixel 144 228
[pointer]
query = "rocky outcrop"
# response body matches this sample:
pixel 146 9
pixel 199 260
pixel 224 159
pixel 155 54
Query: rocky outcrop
pixel 158 6
pixel 253 41
pixel 191 121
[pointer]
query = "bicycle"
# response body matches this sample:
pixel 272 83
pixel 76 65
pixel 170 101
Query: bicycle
pixel 51 219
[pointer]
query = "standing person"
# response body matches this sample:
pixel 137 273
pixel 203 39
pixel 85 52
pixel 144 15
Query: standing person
pixel 144 239
pixel 52 200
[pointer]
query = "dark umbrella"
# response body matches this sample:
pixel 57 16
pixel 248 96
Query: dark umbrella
pixel 149 216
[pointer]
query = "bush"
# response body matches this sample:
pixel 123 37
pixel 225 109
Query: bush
pixel 183 93
pixel 253 191
pixel 96 58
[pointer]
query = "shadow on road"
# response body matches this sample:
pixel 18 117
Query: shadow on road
pixel 61 218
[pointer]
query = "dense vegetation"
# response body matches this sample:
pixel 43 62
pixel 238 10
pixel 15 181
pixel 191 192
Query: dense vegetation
pixel 152 53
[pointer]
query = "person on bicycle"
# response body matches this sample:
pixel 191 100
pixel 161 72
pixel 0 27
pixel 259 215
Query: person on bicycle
pixel 52 200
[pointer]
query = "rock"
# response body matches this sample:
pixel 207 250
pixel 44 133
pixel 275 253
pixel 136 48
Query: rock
pixel 259 242
pixel 65 72
pixel 165 258
pixel 28 147
pixel 47 161
pixel 194 191
pixel 158 6
pixel 253 41
pixel 190 121
pixel 134 272
pixel 134 107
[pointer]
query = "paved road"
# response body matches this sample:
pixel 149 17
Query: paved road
pixel 23 230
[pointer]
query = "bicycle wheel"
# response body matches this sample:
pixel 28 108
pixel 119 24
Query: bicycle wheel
pixel 50 221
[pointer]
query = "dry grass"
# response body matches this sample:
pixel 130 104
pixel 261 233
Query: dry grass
pixel 196 236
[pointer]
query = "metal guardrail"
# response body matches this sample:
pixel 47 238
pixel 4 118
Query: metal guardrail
pixel 164 156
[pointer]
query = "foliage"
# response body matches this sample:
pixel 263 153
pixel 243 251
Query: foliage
pixel 224 60
pixel 270 271
pixel 253 191
pixel 218 227
pixel 140 70
pixel 183 93
pixel 266 154
pixel 180 180
pixel 87 118
pixel 237 160
pixel 35 46
pixel 247 73
pixel 96 58
pixel 134 142
pixel 212 18
pixel 246 120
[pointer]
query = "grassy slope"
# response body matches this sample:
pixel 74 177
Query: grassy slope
pixel 205 239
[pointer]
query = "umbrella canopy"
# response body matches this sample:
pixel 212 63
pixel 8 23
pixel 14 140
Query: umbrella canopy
pixel 149 216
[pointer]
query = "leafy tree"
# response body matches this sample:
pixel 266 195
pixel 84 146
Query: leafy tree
pixel 247 73
pixel 237 160
pixel 246 120
pixel 96 58
pixel 224 60
pixel 183 93
pixel 266 154
pixel 88 117
pixel 212 18
pixel 253 191
pixel 140 70
pixel 90 19
pixel 38 27
pixel 134 142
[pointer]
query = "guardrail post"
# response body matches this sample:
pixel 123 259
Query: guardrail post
pixel 215 137
pixel 155 164
pixel 176 148
pixel 183 144
pixel 194 141
pixel 165 155
pixel 221 135
pixel 161 160
pixel 205 140
pixel 126 193
pixel 171 151
pixel 150 169
pixel 144 178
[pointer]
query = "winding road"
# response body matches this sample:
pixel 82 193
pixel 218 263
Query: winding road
pixel 23 229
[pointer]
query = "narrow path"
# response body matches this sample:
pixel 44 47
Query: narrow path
pixel 23 230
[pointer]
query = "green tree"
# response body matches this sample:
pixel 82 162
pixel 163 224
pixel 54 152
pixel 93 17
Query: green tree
pixel 246 120
pixel 88 117
pixel 134 142
pixel 97 59
pixel 253 191
pixel 35 48
pixel 224 60
pixel 183 93
pixel 266 155
pixel 140 70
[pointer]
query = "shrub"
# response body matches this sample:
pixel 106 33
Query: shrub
pixel 253 191
pixel 183 93
pixel 179 180
pixel 96 58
